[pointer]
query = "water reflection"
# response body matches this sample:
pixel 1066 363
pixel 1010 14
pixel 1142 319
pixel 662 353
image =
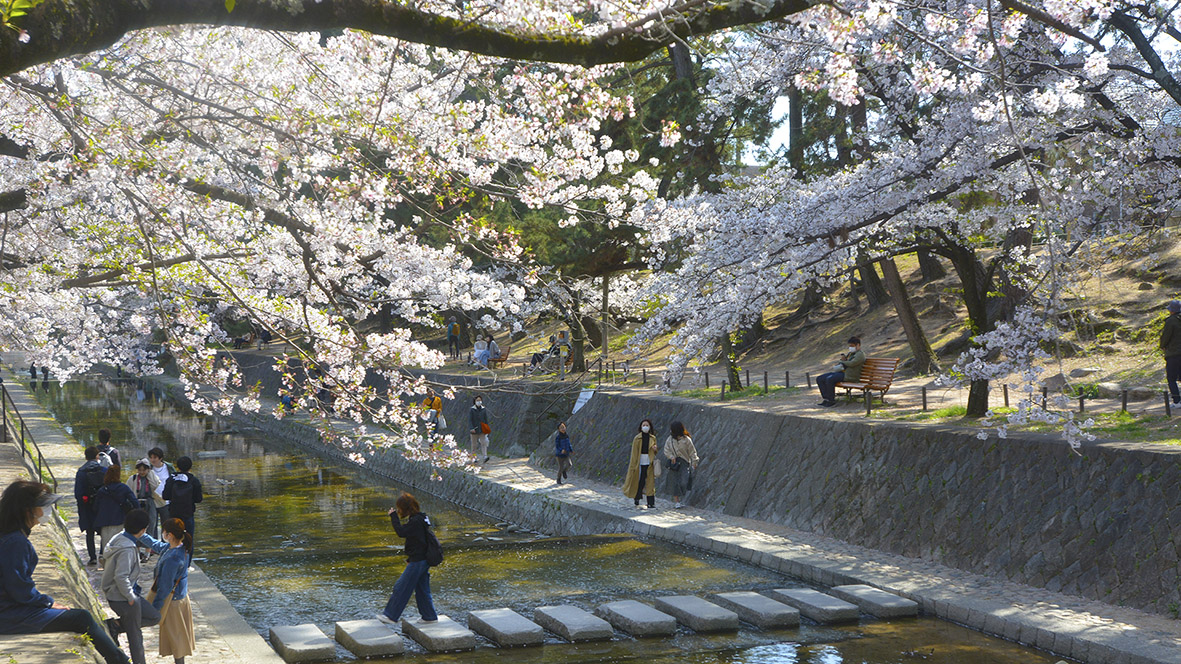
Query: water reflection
pixel 290 539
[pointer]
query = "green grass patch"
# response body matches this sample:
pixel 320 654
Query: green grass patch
pixel 949 413
pixel 749 392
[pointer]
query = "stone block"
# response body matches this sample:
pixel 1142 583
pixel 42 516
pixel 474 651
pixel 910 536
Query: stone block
pixel 505 627
pixel 369 638
pixel 445 635
pixel 816 605
pixel 572 623
pixel 876 602
pixel 302 643
pixel 759 611
pixel 698 614
pixel 637 619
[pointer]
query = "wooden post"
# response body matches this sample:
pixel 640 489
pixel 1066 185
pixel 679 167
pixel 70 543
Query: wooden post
pixel 1006 396
pixel 748 377
pixel 707 380
pixel 765 383
pixel 808 377
pixel 1168 405
pixel 1081 407
pixel 722 396
pixel 787 379
pixel 645 373
pixel 924 398
pixel 1044 392
pixel 1123 401
pixel 868 401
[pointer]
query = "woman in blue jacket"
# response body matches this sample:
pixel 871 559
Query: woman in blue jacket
pixel 24 610
pixel 172 577
pixel 111 504
pixel 562 451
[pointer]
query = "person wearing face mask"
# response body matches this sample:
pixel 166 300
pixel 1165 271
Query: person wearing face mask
pixel 643 468
pixel 479 428
pixel 172 592
pixel 847 368
pixel 24 610
pixel 562 451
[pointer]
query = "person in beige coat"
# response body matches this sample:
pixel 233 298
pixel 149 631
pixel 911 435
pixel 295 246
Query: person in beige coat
pixel 644 466
pixel 682 462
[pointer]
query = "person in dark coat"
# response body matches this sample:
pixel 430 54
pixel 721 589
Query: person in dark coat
pixel 416 578
pixel 183 492
pixel 112 502
pixel 104 447
pixel 562 451
pixel 478 420
pixel 1170 345
pixel 23 609
pixel 84 488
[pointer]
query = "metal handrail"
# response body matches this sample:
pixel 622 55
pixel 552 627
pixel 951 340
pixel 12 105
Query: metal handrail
pixel 22 436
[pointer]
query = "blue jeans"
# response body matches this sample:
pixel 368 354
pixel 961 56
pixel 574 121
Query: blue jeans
pixel 416 578
pixel 81 622
pixel 828 384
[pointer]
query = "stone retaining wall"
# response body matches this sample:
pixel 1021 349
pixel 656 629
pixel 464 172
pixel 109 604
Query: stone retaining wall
pixel 1105 525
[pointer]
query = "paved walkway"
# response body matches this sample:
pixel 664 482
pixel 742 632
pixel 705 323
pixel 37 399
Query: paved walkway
pixel 223 637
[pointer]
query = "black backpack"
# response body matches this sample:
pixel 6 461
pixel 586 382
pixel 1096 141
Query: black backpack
pixel 182 493
pixel 434 550
pixel 94 482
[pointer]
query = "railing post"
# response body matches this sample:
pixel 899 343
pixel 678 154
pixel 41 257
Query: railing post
pixel 707 380
pixel 868 402
pixel 808 377
pixel 1006 395
pixel 1124 401
pixel 645 374
pixel 722 396
pixel 924 398
pixel 1080 403
pixel 765 383
pixel 787 379
pixel 1168 405
pixel 1044 393
pixel 748 377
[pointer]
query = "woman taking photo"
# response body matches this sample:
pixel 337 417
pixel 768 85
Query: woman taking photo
pixel 172 593
pixel 416 578
pixel 682 462
pixel 24 610
pixel 643 468
pixel 111 504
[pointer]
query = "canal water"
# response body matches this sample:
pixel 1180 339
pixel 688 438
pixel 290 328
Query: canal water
pixel 290 538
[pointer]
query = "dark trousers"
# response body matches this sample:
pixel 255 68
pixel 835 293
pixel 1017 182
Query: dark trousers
pixel 827 383
pixel 134 618
pixel 80 621
pixel 416 580
pixel 563 466
pixel 1173 374
pixel 640 487
pixel 89 549
pixel 452 345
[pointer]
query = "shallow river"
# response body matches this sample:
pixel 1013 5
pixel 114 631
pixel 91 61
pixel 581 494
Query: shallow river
pixel 290 538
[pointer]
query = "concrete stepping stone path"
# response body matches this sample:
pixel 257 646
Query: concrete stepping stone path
pixel 759 611
pixel 505 627
pixel 698 614
pixel 302 643
pixel 444 635
pixel 637 618
pixel 572 623
pixel 369 638
pixel 816 605
pixel 876 602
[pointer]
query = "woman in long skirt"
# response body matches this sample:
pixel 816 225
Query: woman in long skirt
pixel 416 578
pixel 172 593
pixel 682 462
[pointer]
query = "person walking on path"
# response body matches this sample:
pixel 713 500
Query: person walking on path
pixel 1170 345
pixel 87 481
pixel 432 406
pixel 146 486
pixel 183 492
pixel 112 502
pixel 416 578
pixel 682 462
pixel 453 338
pixel 23 609
pixel 171 586
pixel 562 451
pixel 641 471
pixel 848 368
pixel 479 429
pixel 104 447
pixel 120 582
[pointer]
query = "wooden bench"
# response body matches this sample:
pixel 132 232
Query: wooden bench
pixel 502 358
pixel 876 376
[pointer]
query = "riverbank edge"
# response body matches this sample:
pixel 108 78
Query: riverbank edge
pixel 513 491
pixel 247 644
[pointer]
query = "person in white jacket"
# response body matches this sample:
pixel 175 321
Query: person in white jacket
pixel 121 570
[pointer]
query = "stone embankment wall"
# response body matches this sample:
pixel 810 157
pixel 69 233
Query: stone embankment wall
pixel 1105 525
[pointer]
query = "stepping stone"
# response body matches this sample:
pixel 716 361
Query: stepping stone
pixel 505 627
pixel 446 635
pixel 637 619
pixel 759 611
pixel 816 605
pixel 369 638
pixel 876 602
pixel 302 643
pixel 698 614
pixel 572 623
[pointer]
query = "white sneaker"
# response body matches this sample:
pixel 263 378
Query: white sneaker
pixel 386 619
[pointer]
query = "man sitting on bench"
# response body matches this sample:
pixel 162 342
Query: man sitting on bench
pixel 848 368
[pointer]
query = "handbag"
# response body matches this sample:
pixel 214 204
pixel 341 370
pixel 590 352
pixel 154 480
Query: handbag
pixel 442 421
pixel 484 428
pixel 151 597
pixel 672 465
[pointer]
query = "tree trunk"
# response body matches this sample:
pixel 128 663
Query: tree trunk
pixel 930 266
pixel 795 135
pixel 577 339
pixel 606 309
pixel 875 292
pixel 728 359
pixel 920 347
pixel 976 285
pixel 812 298
pixel 853 295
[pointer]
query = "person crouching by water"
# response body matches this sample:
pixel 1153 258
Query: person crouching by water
pixel 682 462
pixel 24 610
pixel 172 593
pixel 642 468
pixel 416 578
pixel 562 451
